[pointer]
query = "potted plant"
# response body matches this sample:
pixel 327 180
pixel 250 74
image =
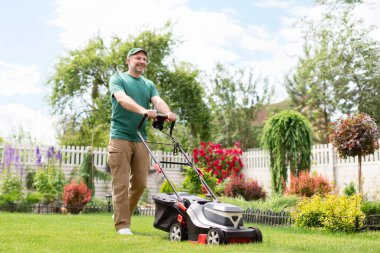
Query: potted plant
pixel 76 196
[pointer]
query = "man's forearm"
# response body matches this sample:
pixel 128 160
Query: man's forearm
pixel 161 106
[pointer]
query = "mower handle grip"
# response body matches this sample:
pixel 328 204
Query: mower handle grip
pixel 161 117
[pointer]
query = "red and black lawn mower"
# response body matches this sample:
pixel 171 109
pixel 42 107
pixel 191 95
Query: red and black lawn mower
pixel 188 217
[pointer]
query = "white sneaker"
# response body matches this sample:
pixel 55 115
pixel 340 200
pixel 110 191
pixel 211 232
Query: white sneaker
pixel 124 231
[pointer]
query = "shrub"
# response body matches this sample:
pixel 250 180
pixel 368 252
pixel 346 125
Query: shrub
pixel 33 197
pixel 334 213
pixel 253 191
pixel 98 202
pixel 166 188
pixel 193 185
pixel 11 187
pixel 76 196
pixel 29 178
pixel 349 190
pixel 221 162
pixel 219 189
pixel 49 182
pixel 371 207
pixel 249 190
pixel 234 187
pixel 49 179
pixel 307 185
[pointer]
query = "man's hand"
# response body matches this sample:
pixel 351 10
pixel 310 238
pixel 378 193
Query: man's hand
pixel 152 114
pixel 171 116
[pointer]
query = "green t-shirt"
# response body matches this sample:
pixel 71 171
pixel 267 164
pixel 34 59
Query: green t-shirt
pixel 123 122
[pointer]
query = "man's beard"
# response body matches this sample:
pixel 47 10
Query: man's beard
pixel 139 69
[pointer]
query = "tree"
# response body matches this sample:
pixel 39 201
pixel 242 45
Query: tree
pixel 80 96
pixel 339 71
pixel 89 172
pixel 186 94
pixel 288 137
pixel 234 102
pixel 355 135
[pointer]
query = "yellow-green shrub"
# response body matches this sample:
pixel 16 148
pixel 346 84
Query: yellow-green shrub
pixel 166 188
pixel 334 213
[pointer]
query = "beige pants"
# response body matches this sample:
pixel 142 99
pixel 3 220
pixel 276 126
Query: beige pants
pixel 129 162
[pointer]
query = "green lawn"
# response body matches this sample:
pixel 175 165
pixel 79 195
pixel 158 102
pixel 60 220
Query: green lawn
pixel 95 233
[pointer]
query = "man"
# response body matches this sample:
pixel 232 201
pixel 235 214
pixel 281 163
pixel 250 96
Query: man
pixel 128 158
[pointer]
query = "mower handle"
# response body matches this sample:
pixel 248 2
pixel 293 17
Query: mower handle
pixel 158 123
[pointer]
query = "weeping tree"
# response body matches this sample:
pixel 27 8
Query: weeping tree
pixel 288 137
pixel 355 135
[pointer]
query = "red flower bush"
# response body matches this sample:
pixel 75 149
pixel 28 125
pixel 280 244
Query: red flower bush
pixel 221 162
pixel 249 190
pixel 76 196
pixel 307 185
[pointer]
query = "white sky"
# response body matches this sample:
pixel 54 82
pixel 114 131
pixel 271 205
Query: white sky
pixel 255 33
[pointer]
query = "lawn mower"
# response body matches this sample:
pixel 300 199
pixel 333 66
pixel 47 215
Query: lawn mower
pixel 189 217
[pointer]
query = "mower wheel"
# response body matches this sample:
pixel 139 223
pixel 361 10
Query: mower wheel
pixel 256 234
pixel 177 232
pixel 215 236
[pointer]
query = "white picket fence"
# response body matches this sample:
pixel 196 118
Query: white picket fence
pixel 325 162
pixel 73 157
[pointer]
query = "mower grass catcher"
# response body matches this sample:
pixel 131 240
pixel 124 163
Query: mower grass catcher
pixel 188 217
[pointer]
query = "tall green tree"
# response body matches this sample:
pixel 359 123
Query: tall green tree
pixel 185 92
pixel 339 69
pixel 79 86
pixel 234 102
pixel 288 138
